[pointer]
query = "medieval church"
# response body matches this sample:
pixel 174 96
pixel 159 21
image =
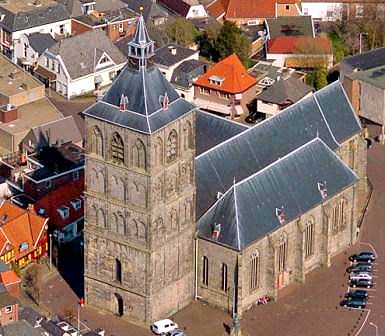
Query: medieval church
pixel 182 204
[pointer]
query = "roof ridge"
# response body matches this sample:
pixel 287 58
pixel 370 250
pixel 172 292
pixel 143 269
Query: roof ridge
pixel 236 215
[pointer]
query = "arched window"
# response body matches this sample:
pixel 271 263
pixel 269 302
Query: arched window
pixel 254 271
pixel 172 146
pixel 117 148
pixel 139 155
pixel 309 238
pixel 282 253
pixel 100 218
pixel 118 271
pixel 114 223
pixel 158 151
pixel 188 136
pixel 338 216
pixel 224 277
pixel 96 145
pixel 205 271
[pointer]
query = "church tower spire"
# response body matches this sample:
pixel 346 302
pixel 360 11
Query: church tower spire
pixel 141 47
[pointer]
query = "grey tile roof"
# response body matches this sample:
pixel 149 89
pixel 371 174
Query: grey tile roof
pixel 247 212
pixel 19 328
pixel 38 16
pixel 285 91
pixel 187 71
pixel 367 60
pixel 212 130
pixel 74 6
pixel 108 16
pixel 374 76
pixel 163 56
pixel 40 42
pixel 326 114
pixel 144 89
pixel 290 26
pixel 79 52
pixel 150 9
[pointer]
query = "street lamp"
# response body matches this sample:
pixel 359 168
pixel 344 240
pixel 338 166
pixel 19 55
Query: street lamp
pixel 361 34
pixel 375 326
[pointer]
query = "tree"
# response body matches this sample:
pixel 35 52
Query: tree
pixel 181 31
pixel 317 78
pixel 69 314
pixel 33 281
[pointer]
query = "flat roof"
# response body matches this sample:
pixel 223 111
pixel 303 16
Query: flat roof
pixel 13 79
pixel 31 115
pixel 17 6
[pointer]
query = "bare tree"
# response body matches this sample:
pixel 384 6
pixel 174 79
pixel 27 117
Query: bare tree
pixel 33 281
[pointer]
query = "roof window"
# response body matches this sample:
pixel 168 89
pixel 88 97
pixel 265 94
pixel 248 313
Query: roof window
pixel 216 80
pixel 64 212
pixel 76 203
pixel 23 246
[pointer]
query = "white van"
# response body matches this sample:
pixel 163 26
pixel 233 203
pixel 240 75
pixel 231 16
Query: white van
pixel 163 326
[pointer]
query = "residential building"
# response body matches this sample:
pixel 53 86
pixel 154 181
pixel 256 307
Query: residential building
pixel 64 207
pixel 19 18
pixel 272 202
pixel 153 14
pixel 169 57
pixel 300 52
pixel 23 236
pixel 290 26
pixel 226 88
pixel 184 76
pixel 21 95
pixel 189 9
pixel 252 12
pixel 365 61
pixel 9 308
pixel 281 94
pixel 30 46
pixel 81 64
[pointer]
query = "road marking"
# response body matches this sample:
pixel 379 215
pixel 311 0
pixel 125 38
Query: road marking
pixel 363 324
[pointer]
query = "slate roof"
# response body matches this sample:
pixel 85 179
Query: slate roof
pixel 40 42
pixel 285 91
pixel 150 9
pixel 74 6
pixel 184 74
pixel 212 130
pixel 79 52
pixel 144 89
pixel 367 60
pixel 290 26
pixel 326 114
pixel 19 328
pixel 38 16
pixel 374 76
pixel 247 212
pixel 163 56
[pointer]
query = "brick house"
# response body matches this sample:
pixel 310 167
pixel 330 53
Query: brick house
pixel 9 309
pixel 226 88
pixel 23 236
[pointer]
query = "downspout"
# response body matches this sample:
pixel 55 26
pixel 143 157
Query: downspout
pixel 196 269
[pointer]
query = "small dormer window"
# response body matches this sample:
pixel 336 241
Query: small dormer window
pixel 41 211
pixel 323 189
pixel 104 59
pixel 216 232
pixel 216 80
pixel 64 212
pixel 23 246
pixel 76 203
pixel 280 213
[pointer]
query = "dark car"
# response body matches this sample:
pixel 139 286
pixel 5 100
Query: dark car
pixel 358 268
pixel 357 294
pixel 176 332
pixel 353 303
pixel 363 256
pixel 361 283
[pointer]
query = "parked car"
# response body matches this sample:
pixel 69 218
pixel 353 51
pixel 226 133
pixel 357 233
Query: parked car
pixel 162 327
pixel 176 332
pixel 361 283
pixel 357 294
pixel 353 303
pixel 358 276
pixel 358 268
pixel 363 256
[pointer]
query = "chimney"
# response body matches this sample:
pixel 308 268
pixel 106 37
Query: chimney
pixel 8 113
pixel 172 50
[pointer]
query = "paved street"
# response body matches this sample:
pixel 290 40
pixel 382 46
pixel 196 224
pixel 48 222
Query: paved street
pixel 309 309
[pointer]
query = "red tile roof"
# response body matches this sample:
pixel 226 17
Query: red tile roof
pixel 251 9
pixel 59 197
pixel 294 44
pixel 217 8
pixel 234 75
pixel 19 226
pixel 9 278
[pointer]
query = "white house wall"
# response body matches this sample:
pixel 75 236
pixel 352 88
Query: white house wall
pixel 268 109
pixel 324 11
pixel 168 71
pixel 32 56
pixel 196 11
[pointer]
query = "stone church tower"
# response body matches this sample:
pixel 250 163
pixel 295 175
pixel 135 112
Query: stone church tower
pixel 140 193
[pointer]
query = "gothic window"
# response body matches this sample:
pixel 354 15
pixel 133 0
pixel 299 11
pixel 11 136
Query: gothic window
pixel 138 194
pixel 96 145
pixel 139 155
pixel 114 223
pixel 224 277
pixel 338 216
pixel 174 219
pixel 158 151
pixel 118 271
pixel 172 146
pixel 205 271
pixel 99 183
pixel 92 213
pixel 187 210
pixel 282 254
pixel 117 188
pixel 121 224
pixel 188 136
pixel 100 218
pixel 254 271
pixel 309 238
pixel 140 230
pixel 117 148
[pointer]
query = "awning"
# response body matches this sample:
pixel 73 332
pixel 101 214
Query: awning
pixel 43 72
